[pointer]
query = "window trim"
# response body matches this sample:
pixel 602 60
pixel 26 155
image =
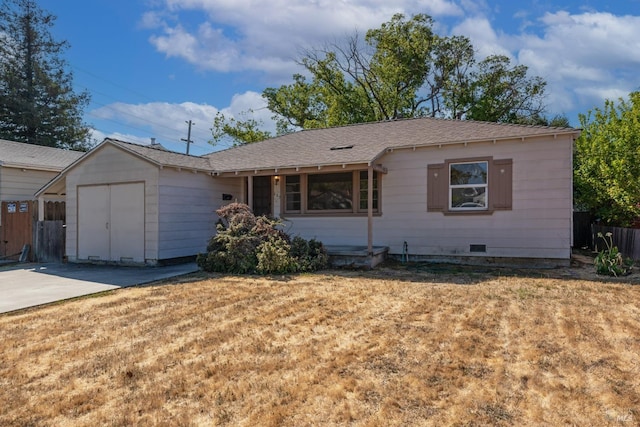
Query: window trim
pixel 355 201
pixel 451 187
pixel 285 194
pixel 376 191
pixel 499 186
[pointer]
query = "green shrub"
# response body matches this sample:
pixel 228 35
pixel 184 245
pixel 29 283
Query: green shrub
pixel 245 243
pixel 310 255
pixel 610 261
pixel 274 257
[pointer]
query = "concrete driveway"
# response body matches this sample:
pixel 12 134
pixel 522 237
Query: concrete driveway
pixel 28 285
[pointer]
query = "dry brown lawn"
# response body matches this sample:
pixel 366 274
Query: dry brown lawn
pixel 397 346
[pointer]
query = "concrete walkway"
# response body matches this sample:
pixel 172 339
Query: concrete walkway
pixel 29 285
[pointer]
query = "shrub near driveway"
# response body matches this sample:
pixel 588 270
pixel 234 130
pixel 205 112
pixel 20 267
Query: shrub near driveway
pixel 389 347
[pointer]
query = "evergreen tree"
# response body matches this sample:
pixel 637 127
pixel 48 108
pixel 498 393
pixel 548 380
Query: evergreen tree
pixel 37 102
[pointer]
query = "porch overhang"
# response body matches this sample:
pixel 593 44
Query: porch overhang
pixel 294 170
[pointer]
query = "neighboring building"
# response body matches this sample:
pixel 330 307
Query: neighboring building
pixel 25 168
pixel 426 188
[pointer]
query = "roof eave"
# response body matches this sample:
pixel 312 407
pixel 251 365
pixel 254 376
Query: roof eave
pixel 276 169
pixel 29 166
pixel 574 132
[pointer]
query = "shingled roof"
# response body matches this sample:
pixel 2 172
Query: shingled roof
pixel 163 157
pixel 364 143
pixel 30 156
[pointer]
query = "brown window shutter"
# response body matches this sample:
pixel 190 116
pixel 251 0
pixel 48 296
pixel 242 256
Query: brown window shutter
pixel 501 184
pixel 437 188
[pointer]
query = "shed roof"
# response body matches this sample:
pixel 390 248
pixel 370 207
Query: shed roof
pixel 163 157
pixel 20 154
pixel 364 143
pixel 155 154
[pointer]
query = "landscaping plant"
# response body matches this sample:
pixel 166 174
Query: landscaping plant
pixel 610 261
pixel 245 243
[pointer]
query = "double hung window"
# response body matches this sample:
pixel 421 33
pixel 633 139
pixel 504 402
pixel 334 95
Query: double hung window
pixel 468 185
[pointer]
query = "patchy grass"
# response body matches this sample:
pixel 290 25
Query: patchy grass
pixel 398 346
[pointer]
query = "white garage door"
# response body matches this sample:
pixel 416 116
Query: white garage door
pixel 111 222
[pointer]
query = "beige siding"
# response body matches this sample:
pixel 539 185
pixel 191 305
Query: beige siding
pixel 21 184
pixel 110 165
pixel 187 207
pixel 538 226
pixel 330 230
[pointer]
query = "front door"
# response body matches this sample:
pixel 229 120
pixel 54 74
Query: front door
pixel 262 195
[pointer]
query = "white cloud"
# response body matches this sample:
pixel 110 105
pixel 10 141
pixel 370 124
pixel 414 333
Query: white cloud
pixel 484 38
pixel 167 122
pixel 242 35
pixel 586 58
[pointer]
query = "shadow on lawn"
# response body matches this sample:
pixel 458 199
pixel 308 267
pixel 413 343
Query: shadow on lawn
pixel 581 269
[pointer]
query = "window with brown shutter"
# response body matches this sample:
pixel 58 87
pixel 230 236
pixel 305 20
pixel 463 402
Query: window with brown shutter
pixel 470 186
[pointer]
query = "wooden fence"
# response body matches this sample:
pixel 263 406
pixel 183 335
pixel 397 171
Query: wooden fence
pixel 16 227
pixel 54 211
pixel 49 241
pixel 626 239
pixel 19 226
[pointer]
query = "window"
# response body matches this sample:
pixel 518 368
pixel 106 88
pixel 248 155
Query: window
pixel 474 186
pixel 364 177
pixel 330 191
pixel 293 193
pixel 468 185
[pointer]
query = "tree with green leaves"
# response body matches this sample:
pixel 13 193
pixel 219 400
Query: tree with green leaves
pixel 240 131
pixel 500 92
pixel 401 70
pixel 607 162
pixel 37 102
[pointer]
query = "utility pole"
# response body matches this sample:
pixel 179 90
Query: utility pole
pixel 188 140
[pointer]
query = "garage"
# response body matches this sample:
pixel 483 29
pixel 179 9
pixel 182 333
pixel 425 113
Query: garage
pixel 111 222
pixel 139 204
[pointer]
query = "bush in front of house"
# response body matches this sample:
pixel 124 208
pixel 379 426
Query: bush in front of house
pixel 610 261
pixel 245 243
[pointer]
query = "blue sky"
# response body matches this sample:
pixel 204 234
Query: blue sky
pixel 152 65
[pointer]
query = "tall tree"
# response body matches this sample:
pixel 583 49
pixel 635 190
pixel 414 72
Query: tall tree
pixel 37 102
pixel 607 162
pixel 504 93
pixel 403 69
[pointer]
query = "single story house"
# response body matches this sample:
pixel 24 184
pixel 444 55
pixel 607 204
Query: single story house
pixel 24 169
pixel 423 188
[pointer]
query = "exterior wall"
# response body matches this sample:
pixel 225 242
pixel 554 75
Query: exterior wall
pixel 187 207
pixel 110 165
pixel 350 231
pixel 538 226
pixel 19 184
